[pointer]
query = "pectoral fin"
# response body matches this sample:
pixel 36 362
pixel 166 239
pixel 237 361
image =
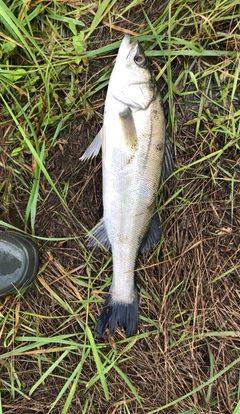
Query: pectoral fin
pixel 94 147
pixel 128 128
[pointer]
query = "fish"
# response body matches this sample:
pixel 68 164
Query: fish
pixel 136 159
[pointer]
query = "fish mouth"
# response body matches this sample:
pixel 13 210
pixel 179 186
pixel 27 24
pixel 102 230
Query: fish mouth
pixel 126 41
pixel 127 46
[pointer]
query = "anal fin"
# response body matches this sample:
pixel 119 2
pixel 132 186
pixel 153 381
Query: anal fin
pixel 98 236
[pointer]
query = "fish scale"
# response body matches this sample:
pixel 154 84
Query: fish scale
pixel 136 156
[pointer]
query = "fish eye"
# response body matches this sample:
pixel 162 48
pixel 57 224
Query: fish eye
pixel 140 59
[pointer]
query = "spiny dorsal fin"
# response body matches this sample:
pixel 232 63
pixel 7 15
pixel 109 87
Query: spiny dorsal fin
pixel 168 165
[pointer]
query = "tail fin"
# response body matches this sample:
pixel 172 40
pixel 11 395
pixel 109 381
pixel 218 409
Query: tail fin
pixel 114 314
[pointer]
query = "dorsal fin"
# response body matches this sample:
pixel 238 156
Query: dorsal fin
pixel 153 234
pixel 167 165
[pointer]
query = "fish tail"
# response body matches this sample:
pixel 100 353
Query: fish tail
pixel 114 314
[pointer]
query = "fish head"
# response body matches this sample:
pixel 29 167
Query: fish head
pixel 132 82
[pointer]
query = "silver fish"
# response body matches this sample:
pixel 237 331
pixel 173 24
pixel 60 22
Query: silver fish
pixel 136 157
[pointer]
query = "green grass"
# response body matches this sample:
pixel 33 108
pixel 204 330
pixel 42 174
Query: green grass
pixel 56 59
